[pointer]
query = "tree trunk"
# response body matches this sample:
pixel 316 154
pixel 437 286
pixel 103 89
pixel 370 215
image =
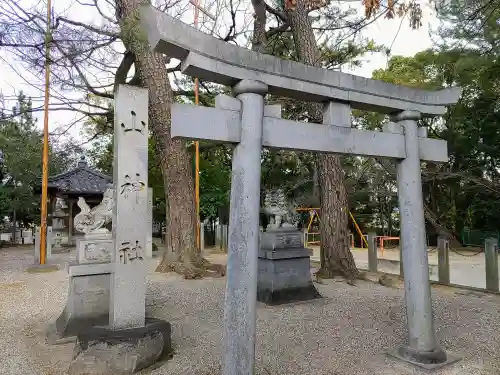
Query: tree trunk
pixel 336 258
pixel 181 253
pixel 259 39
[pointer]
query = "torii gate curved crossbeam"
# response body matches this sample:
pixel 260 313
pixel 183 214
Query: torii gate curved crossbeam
pixel 214 60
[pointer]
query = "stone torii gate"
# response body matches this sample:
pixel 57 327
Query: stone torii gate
pixel 248 124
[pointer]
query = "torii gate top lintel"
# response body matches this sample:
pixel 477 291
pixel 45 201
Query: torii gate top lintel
pixel 206 57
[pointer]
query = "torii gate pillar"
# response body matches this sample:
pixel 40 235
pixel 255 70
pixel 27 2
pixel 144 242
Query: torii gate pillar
pixel 422 348
pixel 243 248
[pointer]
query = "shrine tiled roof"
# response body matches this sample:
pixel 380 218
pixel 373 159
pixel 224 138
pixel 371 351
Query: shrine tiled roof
pixel 80 180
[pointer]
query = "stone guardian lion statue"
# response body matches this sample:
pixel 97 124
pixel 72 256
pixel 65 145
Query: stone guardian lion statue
pixel 90 220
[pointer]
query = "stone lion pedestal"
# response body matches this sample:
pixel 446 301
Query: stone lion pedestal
pixel 89 277
pixel 284 268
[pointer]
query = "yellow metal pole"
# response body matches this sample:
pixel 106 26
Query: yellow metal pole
pixel 45 154
pixel 311 219
pixel 197 145
pixel 359 230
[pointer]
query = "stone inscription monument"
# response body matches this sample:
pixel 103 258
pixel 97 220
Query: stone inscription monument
pixel 130 341
pixel 246 124
pixel 130 176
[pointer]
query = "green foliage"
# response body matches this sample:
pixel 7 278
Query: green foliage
pixel 215 180
pixel 464 192
pixel 21 144
pixel 156 182
pixel 334 56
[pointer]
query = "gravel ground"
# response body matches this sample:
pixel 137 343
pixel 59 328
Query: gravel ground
pixel 347 332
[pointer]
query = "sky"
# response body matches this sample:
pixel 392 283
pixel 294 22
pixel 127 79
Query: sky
pixel 395 33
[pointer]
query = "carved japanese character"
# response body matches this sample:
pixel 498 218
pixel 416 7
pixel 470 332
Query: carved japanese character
pixel 138 128
pixel 129 252
pixel 124 249
pixel 136 252
pixel 130 186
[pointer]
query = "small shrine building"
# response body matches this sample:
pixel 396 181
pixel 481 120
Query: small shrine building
pixel 64 189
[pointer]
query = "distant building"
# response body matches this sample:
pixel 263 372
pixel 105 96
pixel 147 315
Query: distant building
pixel 64 189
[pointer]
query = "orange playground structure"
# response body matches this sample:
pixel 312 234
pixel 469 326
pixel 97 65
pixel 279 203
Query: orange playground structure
pixel 313 238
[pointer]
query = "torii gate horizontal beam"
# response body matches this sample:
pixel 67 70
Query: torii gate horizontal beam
pixel 223 125
pixel 206 57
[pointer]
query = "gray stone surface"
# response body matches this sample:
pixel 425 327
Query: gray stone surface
pixel 421 330
pixel 202 237
pixel 94 220
pixel 75 269
pixel 224 63
pixel 284 273
pixel 284 268
pixel 491 262
pixel 48 248
pixel 224 238
pixel 450 359
pixel 36 248
pixel 224 125
pixel 130 169
pixel 242 264
pixel 372 252
pixel 89 284
pixel 87 304
pixel 444 260
pixel 50 240
pixel 285 253
pixel 94 250
pixel 281 239
pixel 121 352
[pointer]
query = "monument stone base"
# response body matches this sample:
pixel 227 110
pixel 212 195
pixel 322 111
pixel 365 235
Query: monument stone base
pixel 95 247
pixel 87 304
pixel 89 285
pixel 122 351
pixel 428 360
pixel 284 268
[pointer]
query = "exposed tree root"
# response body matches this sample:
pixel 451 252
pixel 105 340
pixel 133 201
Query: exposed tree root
pixel 349 274
pixel 192 269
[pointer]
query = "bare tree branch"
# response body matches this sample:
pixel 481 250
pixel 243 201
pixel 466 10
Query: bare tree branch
pixel 88 27
pixel 276 30
pixel 281 15
pixel 123 69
